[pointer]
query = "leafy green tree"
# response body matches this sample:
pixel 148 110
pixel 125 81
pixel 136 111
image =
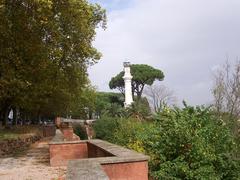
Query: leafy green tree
pixel 109 103
pixel 83 106
pixel 19 52
pixel 142 75
pixel 45 50
pixel 139 109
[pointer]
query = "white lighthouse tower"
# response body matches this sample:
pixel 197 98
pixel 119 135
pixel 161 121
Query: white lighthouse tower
pixel 128 84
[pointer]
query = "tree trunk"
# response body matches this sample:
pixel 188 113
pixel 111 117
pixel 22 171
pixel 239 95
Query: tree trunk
pixel 24 119
pixel 5 120
pixel 1 117
pixel 39 119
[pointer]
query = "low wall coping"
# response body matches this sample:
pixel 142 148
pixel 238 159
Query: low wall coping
pixel 58 138
pixel 90 168
pixel 84 169
pixel 120 154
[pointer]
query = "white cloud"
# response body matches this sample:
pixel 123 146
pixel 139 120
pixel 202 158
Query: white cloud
pixel 184 38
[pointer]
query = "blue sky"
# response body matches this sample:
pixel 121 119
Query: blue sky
pixel 187 39
pixel 111 5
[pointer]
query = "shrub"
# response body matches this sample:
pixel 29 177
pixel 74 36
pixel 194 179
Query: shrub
pixel 188 143
pixel 191 143
pixel 140 110
pixel 132 133
pixel 105 127
pixel 80 130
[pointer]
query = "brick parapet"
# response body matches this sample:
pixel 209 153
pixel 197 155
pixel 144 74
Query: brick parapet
pixel 97 159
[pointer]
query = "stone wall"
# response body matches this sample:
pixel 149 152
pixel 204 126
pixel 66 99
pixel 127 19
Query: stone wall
pixel 69 134
pixel 95 151
pixel 49 130
pixel 97 159
pixel 11 145
pixel 66 129
pixel 127 170
pixel 60 154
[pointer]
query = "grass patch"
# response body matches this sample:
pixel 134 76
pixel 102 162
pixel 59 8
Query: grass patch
pixel 4 135
pixel 19 131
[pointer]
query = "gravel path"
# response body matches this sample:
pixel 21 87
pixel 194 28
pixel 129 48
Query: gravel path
pixel 32 164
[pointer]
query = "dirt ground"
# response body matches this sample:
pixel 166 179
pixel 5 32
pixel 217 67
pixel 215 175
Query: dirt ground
pixel 30 164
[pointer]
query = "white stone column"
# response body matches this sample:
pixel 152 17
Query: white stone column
pixel 128 84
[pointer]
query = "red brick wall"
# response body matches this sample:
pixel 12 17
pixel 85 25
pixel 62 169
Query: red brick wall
pixel 49 130
pixel 127 171
pixel 67 133
pixel 61 153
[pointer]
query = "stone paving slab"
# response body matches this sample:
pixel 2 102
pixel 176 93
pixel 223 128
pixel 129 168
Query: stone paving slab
pixel 85 170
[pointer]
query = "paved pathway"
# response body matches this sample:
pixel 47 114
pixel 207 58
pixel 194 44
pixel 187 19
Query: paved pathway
pixel 32 164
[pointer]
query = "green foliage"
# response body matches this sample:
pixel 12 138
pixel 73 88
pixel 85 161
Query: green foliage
pixel 191 144
pixel 131 133
pixel 109 104
pixel 105 127
pixel 188 143
pixel 117 82
pixel 45 49
pixel 84 105
pixel 80 130
pixel 233 123
pixel 123 131
pixel 142 75
pixel 140 109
